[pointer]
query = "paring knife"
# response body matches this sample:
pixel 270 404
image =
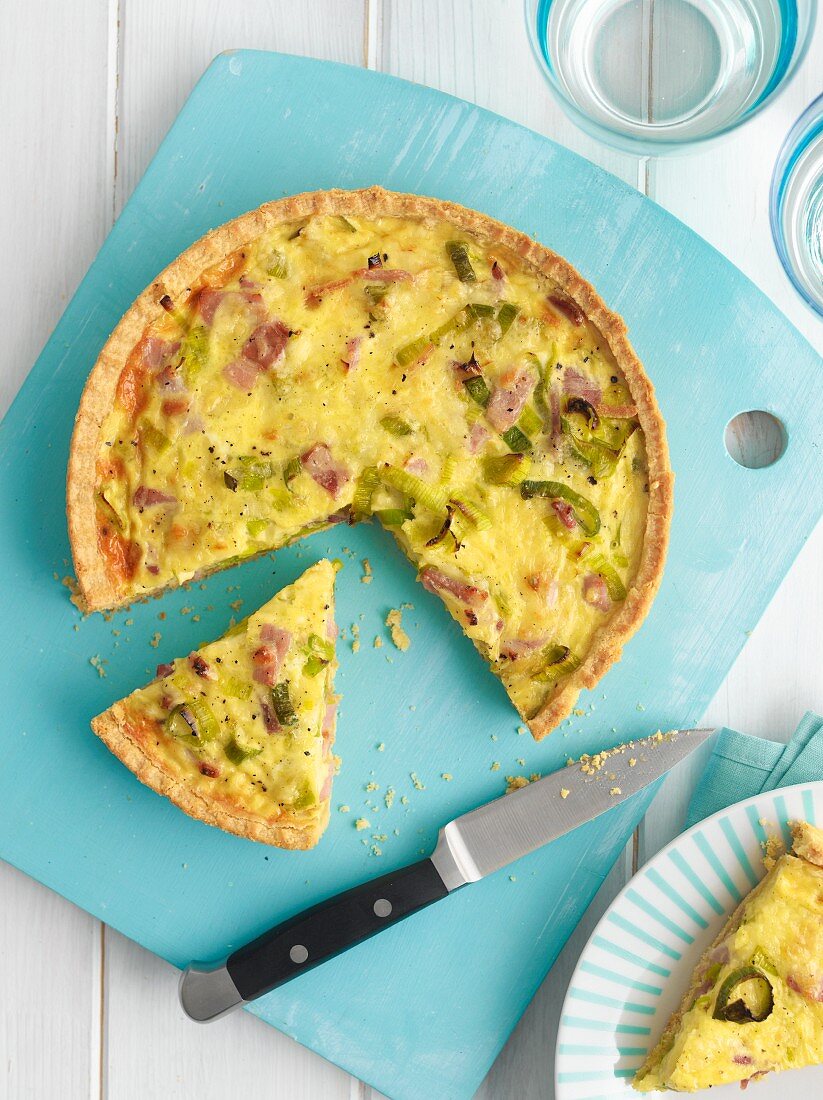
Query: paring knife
pixel 472 846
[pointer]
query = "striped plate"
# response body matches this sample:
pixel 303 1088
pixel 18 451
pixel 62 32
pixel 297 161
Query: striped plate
pixel 638 961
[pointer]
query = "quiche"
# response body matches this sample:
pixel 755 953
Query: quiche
pixel 755 1003
pixel 344 356
pixel 239 733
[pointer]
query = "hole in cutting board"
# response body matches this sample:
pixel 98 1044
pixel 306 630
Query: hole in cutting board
pixel 755 439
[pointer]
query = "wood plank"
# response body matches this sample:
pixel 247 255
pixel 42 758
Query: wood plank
pixel 163 49
pixel 722 192
pixel 50 976
pixel 152 1050
pixel 53 114
pixel 55 186
pixel 479 50
pixel 525 1066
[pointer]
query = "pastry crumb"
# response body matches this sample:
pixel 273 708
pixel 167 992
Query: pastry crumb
pixel 564 792
pixel 633 762
pixel 97 663
pixel 398 635
pixel 447 776
pixel 355 634
pixel 154 642
pixel 378 642
pixel 362 823
pixel 388 798
pixel 381 747
pixel 495 766
pixel 416 783
pixel 367 573
pixel 515 783
pixel 372 786
pixel 615 791
pixel 344 809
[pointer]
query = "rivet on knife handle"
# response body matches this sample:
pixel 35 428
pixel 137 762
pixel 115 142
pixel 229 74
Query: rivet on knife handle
pixel 310 938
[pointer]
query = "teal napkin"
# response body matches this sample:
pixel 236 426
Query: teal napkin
pixel 741 766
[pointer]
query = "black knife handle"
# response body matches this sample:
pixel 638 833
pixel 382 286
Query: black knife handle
pixel 320 933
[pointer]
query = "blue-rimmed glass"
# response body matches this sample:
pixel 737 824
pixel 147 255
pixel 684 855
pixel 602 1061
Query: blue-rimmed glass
pixel 796 205
pixel 656 76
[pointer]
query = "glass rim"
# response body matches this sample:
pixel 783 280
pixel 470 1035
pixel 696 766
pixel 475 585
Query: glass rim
pixel 790 150
pixel 648 146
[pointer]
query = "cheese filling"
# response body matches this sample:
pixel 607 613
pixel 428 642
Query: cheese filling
pixel 391 367
pixel 249 719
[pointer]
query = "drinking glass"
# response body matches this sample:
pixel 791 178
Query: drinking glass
pixel 796 205
pixel 656 76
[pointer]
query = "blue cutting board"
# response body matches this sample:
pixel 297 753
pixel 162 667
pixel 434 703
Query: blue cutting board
pixel 421 1011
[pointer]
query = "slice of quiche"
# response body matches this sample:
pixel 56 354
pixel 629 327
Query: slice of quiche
pixel 755 1003
pixel 355 355
pixel 239 733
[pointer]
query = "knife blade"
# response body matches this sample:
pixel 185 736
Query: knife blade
pixel 470 847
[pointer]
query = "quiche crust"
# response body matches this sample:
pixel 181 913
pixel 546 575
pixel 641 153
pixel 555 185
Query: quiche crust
pixel 118 731
pixel 96 589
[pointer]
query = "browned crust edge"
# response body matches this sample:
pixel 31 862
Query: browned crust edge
pixel 95 587
pixel 805 846
pixel 116 730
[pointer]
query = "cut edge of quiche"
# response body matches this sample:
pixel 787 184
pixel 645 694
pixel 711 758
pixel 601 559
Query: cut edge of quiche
pixel 96 588
pixel 746 998
pixel 239 734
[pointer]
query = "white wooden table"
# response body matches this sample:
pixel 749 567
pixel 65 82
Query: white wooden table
pixel 87 90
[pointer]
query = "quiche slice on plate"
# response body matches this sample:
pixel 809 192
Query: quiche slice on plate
pixel 239 733
pixel 755 1003
pixel 344 356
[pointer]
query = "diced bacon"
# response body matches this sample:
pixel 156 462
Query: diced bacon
pixel 415 464
pixel 545 585
pixel 383 274
pixel 577 385
pixel 497 272
pixel 617 412
pixel 320 465
pixel 193 424
pixel 595 592
pixel 170 380
pixel 352 353
pixel 208 300
pixel 371 274
pixel 269 718
pixel 477 437
pixel 267 344
pixel 438 582
pixel 815 994
pixel 565 513
pixel 175 406
pixel 165 669
pixel 266 665
pixel 328 727
pixel 201 667
pixel 522 647
pixel 145 497
pixel 211 770
pixel 242 373
pixel 326 789
pixel 507 401
pixel 331 630
pixel 156 351
pixel 570 309
pixel 743 1060
pixel 278 637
